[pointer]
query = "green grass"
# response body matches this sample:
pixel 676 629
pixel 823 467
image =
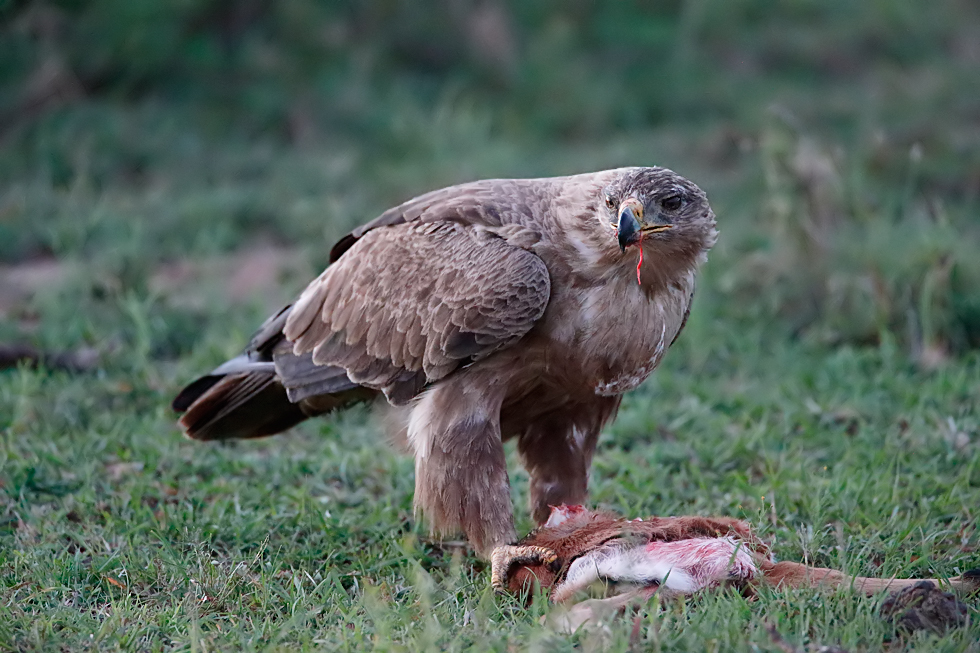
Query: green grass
pixel 119 534
pixel 827 388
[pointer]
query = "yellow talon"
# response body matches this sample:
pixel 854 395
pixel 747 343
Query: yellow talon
pixel 505 557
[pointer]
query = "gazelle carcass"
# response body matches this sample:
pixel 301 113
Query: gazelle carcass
pixel 672 556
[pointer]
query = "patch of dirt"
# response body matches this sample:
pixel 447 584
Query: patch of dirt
pixel 20 282
pixel 256 272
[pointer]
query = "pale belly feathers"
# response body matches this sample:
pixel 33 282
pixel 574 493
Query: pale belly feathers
pixel 619 348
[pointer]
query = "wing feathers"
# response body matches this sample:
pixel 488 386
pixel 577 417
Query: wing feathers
pixel 416 340
pixel 360 321
pixel 418 296
pixel 396 348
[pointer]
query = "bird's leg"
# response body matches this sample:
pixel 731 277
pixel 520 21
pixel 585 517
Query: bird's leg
pixel 557 450
pixel 460 471
pixel 560 479
pixel 557 457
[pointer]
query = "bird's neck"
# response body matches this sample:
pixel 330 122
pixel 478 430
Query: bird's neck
pixel 660 268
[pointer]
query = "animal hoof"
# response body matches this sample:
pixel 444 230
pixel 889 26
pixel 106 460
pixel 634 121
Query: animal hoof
pixel 923 606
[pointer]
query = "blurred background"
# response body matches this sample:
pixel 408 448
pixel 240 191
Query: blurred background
pixel 167 163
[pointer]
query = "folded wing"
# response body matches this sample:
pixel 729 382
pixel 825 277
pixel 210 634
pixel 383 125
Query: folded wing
pixel 408 304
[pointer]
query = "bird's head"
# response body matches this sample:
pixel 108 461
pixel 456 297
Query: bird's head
pixel 658 209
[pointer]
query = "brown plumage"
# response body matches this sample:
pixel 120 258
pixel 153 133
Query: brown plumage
pixel 577 548
pixel 491 310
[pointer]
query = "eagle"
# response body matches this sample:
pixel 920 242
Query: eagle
pixel 493 310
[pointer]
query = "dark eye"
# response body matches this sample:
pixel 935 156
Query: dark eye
pixel 610 202
pixel 672 203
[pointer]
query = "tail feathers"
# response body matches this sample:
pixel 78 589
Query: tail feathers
pixel 193 392
pixel 239 405
pixel 239 364
pixel 261 393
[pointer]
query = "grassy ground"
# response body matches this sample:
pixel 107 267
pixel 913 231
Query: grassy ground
pixel 826 387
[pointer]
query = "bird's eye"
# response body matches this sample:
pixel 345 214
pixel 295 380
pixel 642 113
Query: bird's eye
pixel 672 203
pixel 610 202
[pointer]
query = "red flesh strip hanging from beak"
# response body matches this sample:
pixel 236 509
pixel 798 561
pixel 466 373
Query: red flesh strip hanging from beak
pixel 639 245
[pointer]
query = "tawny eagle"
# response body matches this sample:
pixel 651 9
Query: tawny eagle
pixel 498 309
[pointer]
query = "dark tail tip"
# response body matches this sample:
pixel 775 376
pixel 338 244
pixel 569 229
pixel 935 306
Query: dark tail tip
pixel 193 391
pixel 241 405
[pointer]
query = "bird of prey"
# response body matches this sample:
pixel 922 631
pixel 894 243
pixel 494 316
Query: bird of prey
pixel 497 309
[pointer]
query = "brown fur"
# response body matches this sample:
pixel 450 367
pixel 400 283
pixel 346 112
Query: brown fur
pixel 587 530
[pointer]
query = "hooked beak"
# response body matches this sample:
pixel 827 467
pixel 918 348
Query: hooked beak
pixel 628 230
